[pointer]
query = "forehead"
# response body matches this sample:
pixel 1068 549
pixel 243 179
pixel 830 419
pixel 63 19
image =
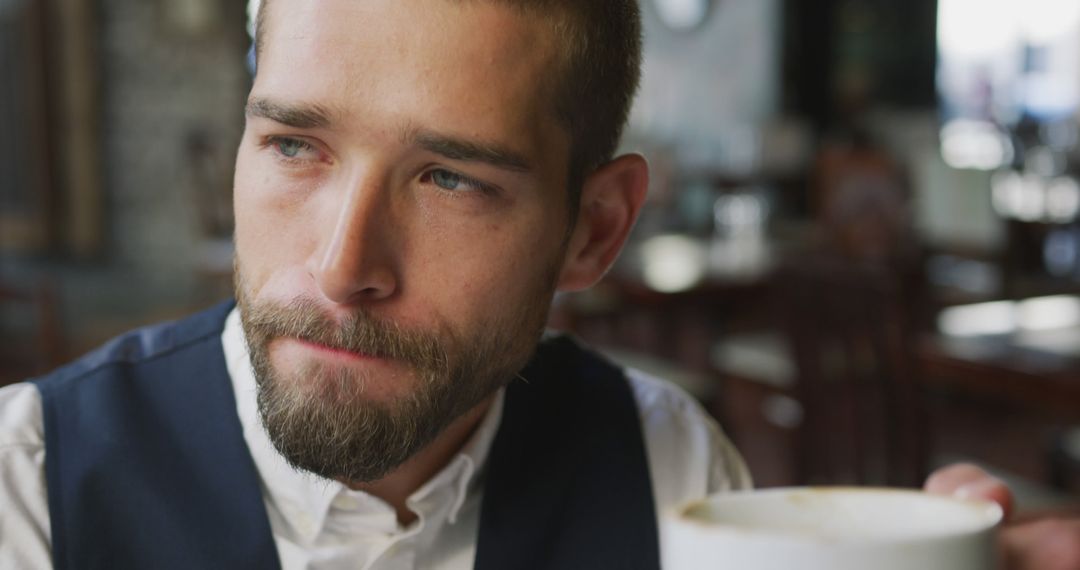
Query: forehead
pixel 471 67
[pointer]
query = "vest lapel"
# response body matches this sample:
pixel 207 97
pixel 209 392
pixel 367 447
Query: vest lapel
pixel 147 465
pixel 567 484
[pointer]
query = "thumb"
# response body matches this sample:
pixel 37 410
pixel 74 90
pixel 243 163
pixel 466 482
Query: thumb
pixel 966 481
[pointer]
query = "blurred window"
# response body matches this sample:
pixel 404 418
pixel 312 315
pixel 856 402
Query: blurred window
pixel 1002 63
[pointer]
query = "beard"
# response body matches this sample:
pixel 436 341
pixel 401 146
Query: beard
pixel 318 417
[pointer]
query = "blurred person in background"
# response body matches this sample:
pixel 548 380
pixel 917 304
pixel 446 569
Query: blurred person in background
pixel 416 180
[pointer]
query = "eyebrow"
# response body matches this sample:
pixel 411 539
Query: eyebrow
pixel 453 148
pixel 296 116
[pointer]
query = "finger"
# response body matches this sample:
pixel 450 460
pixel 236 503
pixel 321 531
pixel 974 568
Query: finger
pixel 966 481
pixel 948 479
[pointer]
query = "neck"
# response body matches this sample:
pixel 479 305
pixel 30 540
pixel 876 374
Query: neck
pixel 401 483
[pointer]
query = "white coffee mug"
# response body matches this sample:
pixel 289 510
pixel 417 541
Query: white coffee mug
pixel 831 528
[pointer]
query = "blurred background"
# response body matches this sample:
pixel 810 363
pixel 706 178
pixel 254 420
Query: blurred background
pixel 861 250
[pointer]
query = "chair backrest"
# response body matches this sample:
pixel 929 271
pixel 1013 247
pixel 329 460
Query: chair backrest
pixel 30 339
pixel 849 335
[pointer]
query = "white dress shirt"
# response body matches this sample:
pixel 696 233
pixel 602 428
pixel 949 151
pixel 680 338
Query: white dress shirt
pixel 324 525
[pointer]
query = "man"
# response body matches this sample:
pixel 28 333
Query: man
pixel 416 179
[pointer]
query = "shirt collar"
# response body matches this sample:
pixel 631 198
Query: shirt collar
pixel 293 489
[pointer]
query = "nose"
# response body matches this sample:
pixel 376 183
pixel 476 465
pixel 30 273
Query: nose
pixel 355 262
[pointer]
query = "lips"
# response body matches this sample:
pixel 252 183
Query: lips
pixel 336 352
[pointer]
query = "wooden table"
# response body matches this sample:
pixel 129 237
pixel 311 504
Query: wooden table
pixel 1034 364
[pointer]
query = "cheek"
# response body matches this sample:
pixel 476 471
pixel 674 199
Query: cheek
pixel 487 268
pixel 269 236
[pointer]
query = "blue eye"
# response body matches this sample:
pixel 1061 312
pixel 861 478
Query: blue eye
pixel 290 147
pixel 292 150
pixel 447 180
pixel 457 183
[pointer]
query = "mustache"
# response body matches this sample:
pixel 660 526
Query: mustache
pixel 360 333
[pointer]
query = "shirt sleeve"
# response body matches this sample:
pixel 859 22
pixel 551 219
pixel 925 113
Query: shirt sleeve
pixel 689 455
pixel 24 512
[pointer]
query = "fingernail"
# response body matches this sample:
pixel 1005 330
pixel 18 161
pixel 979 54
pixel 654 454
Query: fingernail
pixel 976 489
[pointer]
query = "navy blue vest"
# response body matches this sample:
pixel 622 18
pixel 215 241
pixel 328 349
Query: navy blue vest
pixel 147 466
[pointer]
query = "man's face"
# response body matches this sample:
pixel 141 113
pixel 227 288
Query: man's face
pixel 400 220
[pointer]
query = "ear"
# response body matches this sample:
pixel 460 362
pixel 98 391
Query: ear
pixel 611 198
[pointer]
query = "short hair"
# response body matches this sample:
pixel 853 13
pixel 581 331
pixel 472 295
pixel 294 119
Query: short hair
pixel 600 72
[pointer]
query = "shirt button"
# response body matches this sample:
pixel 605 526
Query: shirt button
pixel 345 503
pixel 304 524
pixel 399 552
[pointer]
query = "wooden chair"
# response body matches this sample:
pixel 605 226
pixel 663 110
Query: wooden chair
pixel 849 332
pixel 30 339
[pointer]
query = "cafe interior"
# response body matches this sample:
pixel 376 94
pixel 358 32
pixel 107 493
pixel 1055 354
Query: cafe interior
pixel 860 250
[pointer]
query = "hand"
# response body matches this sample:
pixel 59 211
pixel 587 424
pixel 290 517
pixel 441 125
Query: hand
pixel 1043 544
